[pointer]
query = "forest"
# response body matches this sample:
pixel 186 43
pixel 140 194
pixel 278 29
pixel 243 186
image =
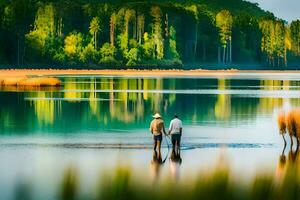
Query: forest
pixel 145 35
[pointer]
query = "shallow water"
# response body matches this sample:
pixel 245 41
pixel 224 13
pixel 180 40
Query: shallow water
pixel 98 122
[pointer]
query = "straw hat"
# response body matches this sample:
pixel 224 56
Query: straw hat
pixel 157 115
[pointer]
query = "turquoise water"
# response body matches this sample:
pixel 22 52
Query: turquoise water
pixel 98 122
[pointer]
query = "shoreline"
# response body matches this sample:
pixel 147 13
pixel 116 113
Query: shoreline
pixel 130 72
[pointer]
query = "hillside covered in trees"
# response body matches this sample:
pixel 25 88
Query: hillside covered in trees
pixel 144 34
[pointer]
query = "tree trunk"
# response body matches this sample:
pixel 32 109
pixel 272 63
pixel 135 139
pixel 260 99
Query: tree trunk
pixel 140 28
pixel 285 57
pixel 166 39
pixel 23 54
pixel 135 25
pixel 196 41
pixel 112 30
pixel 230 60
pixel 18 51
pixel 95 40
pixel 224 54
pixel 60 27
pixel 219 54
pixel 227 53
pixel 203 51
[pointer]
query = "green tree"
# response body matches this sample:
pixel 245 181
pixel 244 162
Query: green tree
pixel 267 42
pixel 132 57
pixel 172 44
pixel 73 46
pixel 158 42
pixel 89 54
pixel 295 36
pixel 44 27
pixel 8 18
pixel 37 31
pixel 287 44
pixel 194 10
pixel 94 29
pixel 140 27
pixel 224 22
pixel 279 41
pixel 148 47
pixel 275 41
pixel 112 25
pixel 123 38
pixel 107 53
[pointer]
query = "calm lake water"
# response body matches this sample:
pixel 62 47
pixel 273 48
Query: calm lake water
pixel 95 123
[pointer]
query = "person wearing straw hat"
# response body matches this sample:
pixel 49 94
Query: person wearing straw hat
pixel 157 128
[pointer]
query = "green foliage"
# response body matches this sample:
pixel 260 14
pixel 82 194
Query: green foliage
pixel 275 40
pixel 94 29
pixel 43 28
pixel 148 47
pixel 156 13
pixel 123 43
pixel 8 17
pixel 107 53
pixel 73 46
pixel 54 49
pixel 89 54
pixel 224 22
pixel 193 9
pixel 217 183
pixel 132 57
pixel 172 44
pixel 279 39
pixel 144 32
pixel 295 36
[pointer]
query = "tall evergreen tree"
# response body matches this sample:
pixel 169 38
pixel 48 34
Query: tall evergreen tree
pixel 224 22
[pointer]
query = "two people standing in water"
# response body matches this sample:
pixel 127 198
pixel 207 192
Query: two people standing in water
pixel 157 128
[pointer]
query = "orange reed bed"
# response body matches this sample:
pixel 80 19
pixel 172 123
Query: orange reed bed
pixel 29 81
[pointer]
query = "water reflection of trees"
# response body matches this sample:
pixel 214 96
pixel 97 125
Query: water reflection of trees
pixel 223 104
pixel 268 104
pixel 44 109
pixel 106 103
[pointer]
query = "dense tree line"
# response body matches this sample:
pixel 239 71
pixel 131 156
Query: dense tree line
pixel 144 34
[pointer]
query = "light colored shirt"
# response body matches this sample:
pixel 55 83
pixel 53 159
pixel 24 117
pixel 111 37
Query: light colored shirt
pixel 175 126
pixel 157 127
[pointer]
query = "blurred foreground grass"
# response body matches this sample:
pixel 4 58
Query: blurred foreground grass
pixel 216 184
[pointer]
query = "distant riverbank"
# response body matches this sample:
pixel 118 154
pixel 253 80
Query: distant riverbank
pixel 199 72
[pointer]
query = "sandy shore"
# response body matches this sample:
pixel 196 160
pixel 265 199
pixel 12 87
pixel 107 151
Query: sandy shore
pixel 36 72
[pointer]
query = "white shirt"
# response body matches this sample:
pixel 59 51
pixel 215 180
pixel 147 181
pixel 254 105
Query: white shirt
pixel 175 126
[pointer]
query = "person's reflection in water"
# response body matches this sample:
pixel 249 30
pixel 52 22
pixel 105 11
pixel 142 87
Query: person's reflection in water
pixel 156 164
pixel 175 162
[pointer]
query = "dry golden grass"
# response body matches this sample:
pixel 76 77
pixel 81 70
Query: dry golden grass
pixel 289 122
pixel 281 123
pixel 135 72
pixel 294 123
pixel 29 82
pixel 10 81
pixel 41 81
